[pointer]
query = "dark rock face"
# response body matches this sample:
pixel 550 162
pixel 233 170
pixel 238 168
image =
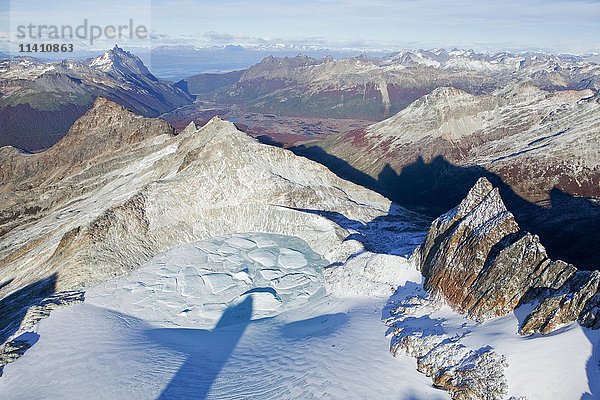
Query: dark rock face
pixel 481 263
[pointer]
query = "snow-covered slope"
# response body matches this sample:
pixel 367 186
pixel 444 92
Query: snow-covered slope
pixel 138 264
pixel 490 360
pixel 165 331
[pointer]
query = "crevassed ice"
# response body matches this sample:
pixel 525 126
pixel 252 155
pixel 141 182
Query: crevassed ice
pixel 191 285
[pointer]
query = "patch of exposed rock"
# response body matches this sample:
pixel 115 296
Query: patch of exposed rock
pixel 478 260
pixel 24 337
pixel 467 374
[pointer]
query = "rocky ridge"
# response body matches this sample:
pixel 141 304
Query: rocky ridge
pixel 478 260
pixel 139 190
pixel 539 147
pixel 25 178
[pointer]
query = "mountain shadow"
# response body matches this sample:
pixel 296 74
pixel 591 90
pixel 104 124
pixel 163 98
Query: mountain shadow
pixel 206 351
pixel 568 226
pixel 14 306
pixel 13 309
pixel 396 233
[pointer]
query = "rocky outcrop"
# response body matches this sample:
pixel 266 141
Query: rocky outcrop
pixel 478 260
pixel 467 374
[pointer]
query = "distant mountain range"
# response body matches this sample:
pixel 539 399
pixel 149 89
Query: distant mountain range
pixel 40 100
pixel 377 88
pixel 179 62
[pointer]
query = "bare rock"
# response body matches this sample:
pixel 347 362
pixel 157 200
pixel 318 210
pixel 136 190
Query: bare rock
pixel 565 305
pixel 464 372
pixel 478 260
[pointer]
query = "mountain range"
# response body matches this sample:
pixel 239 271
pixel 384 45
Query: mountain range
pixel 376 88
pixel 40 100
pixel 525 121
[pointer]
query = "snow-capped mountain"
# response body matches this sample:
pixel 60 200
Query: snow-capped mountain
pixel 540 146
pixel 40 100
pixel 119 61
pixel 376 88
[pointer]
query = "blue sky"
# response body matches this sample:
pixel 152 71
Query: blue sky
pixel 554 25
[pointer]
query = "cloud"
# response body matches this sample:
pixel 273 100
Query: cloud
pixel 557 25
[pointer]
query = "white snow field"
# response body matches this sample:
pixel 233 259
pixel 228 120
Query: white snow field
pixel 233 317
pixel 263 316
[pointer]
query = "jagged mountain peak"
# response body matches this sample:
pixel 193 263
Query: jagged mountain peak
pixel 224 133
pixel 446 93
pixel 526 90
pixel 215 126
pixel 441 97
pixel 114 124
pixel 119 61
pixel 470 251
pixel 107 129
pixel 102 104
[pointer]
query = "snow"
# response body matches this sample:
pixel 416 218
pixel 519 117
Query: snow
pixel 205 320
pixel 562 365
pixel 198 281
pixel 103 63
pixel 23 69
